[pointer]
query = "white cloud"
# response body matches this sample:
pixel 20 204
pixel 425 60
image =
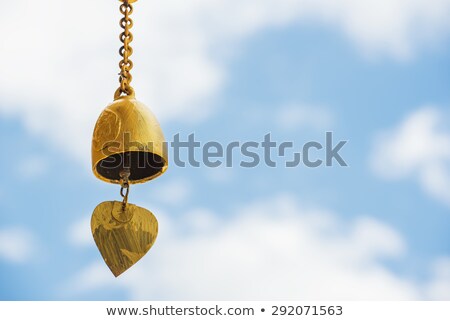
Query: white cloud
pixel 59 60
pixel 293 117
pixel 174 192
pixel 272 249
pixel 418 147
pixel 393 27
pixel 32 167
pixel 221 175
pixel 16 245
pixel 80 232
pixel 439 287
pixel 90 279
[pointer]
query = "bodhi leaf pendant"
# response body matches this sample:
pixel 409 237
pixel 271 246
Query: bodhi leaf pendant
pixel 123 234
pixel 128 147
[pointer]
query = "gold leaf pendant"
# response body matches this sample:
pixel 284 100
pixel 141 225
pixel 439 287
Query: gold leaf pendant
pixel 124 233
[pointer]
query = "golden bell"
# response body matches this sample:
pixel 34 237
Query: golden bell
pixel 128 136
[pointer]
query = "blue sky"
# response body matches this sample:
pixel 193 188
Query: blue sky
pixel 377 229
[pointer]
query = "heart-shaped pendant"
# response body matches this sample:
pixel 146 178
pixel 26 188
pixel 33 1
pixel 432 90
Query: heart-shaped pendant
pixel 123 234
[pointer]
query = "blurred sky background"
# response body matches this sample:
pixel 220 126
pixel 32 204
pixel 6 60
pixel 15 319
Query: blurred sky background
pixel 375 72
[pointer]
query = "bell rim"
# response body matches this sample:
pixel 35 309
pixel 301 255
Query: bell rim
pixel 132 182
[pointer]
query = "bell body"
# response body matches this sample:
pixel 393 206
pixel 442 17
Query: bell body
pixel 128 135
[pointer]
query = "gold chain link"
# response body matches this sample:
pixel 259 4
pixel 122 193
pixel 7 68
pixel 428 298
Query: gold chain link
pixel 125 65
pixel 125 186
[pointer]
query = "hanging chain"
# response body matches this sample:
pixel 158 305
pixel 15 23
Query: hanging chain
pixel 125 65
pixel 124 186
pixel 126 37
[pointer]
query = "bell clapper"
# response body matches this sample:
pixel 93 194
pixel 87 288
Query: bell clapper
pixel 128 147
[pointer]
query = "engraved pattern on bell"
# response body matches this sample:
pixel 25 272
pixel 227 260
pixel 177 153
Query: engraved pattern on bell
pixel 123 234
pixel 107 129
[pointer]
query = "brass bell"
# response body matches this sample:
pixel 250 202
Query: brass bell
pixel 128 136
